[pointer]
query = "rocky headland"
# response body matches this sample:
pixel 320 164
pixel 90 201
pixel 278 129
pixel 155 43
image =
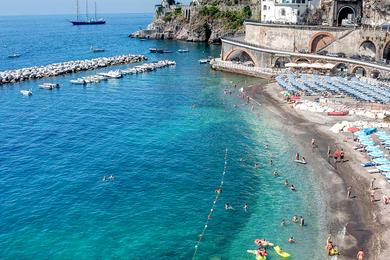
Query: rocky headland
pixel 201 21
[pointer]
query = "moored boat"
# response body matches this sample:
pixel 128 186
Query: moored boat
pixel 14 55
pixel 338 113
pixel 183 50
pixel 26 92
pixel 49 86
pixel 78 82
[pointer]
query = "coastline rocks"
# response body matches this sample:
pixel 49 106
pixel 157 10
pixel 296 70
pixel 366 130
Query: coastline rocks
pixel 56 69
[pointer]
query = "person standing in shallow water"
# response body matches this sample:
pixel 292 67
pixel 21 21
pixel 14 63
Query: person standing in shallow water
pixel 349 189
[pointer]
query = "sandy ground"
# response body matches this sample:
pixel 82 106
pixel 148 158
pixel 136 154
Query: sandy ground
pixel 354 223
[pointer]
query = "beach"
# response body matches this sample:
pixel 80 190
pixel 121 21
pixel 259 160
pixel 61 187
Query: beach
pixel 353 223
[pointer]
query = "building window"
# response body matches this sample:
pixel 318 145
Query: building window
pixel 264 7
pixel 303 1
pixel 283 12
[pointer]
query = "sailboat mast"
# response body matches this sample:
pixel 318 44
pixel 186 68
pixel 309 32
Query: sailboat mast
pixel 86 8
pixel 78 12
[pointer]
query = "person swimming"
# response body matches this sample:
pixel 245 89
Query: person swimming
pixel 292 187
pixel 286 183
pixel 246 207
pixel 283 223
pixel 104 178
pixel 111 178
pixel 297 156
pixel 294 219
pixel 228 206
pixel 291 240
pixel 276 174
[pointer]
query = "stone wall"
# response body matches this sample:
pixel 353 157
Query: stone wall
pixel 289 38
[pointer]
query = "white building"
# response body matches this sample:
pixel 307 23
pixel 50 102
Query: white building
pixel 285 11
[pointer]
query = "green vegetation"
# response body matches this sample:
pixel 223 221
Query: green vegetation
pixel 233 19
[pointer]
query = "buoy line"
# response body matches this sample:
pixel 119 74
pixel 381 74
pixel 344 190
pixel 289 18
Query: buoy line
pixel 218 193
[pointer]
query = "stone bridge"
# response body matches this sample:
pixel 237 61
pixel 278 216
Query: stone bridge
pixel 271 46
pixel 270 58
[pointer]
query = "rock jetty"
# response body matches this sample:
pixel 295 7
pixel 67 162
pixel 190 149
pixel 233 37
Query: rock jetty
pixel 52 70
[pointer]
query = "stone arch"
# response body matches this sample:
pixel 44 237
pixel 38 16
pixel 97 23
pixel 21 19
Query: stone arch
pixel 341 68
pixel 375 74
pixel 367 48
pixel 241 54
pixel 280 62
pixel 359 70
pixel 344 12
pixel 386 51
pixel 302 60
pixel 320 40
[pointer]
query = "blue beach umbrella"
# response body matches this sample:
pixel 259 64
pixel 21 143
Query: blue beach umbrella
pixel 376 154
pixel 371 148
pixel 384 168
pixel 368 143
pixel 381 161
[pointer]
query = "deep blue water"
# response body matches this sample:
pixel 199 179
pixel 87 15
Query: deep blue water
pixel 167 157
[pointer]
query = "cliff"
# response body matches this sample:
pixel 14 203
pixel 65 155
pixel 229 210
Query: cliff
pixel 202 21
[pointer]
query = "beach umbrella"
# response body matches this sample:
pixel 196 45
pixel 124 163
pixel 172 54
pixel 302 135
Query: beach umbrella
pixel 353 129
pixel 376 154
pixel 381 161
pixel 371 148
pixel 368 142
pixel 384 168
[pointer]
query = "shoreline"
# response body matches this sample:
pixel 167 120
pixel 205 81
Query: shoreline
pixel 353 223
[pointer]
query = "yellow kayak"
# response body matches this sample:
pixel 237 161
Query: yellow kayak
pixel 258 257
pixel 280 252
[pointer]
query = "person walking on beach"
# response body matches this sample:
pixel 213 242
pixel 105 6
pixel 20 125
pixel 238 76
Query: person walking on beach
pixel 329 152
pixel 372 195
pixel 313 143
pixel 349 189
pixel 342 155
pixel 336 155
pixel 372 184
pixel 360 255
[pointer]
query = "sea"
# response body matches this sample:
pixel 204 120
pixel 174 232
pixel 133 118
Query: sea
pixel 162 136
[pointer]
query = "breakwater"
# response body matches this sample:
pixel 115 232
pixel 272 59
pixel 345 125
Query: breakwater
pixel 57 69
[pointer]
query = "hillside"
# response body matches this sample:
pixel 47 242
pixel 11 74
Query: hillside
pixel 201 21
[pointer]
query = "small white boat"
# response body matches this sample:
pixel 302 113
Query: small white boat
pixel 204 61
pixel 300 161
pixel 97 49
pixel 14 55
pixel 78 82
pixel 26 92
pixel 183 50
pixel 49 86
pixel 112 74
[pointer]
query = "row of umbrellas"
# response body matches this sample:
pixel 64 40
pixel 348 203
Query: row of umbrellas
pixel 335 85
pixel 375 151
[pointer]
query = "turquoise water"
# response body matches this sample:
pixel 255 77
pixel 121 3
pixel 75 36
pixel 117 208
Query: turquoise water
pixel 167 157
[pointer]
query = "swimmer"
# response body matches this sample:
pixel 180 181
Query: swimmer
pixel 266 146
pixel 246 207
pixel 294 219
pixel 286 182
pixel 291 240
pixel 303 159
pixel 218 190
pixel 111 178
pixel 283 223
pixel 276 174
pixel 293 187
pixel 297 157
pixel 104 178
pixel 302 221
pixel 228 206
pixel 257 165
pixel 271 162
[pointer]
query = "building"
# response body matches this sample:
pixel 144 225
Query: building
pixel 284 11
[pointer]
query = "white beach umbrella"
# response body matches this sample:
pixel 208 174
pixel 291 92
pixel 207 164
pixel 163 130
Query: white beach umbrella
pixel 290 65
